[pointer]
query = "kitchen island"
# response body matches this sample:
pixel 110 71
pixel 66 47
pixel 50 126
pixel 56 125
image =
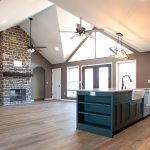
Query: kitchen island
pixel 107 111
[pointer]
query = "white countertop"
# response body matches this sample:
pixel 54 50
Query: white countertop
pixel 104 90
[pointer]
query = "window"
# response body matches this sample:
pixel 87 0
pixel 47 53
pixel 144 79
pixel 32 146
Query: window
pixel 96 48
pixel 126 68
pixel 98 76
pixel 103 77
pixel 89 78
pixel 72 81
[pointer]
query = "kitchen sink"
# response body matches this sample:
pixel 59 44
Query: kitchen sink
pixel 138 94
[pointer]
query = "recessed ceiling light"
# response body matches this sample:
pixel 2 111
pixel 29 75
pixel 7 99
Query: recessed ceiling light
pixel 4 21
pixel 56 48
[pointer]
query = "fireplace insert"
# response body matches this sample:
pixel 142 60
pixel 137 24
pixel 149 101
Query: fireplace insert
pixel 17 95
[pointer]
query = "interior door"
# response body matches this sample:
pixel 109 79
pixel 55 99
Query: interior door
pixel 56 83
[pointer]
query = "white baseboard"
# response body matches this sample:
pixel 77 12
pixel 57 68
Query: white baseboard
pixel 48 99
pixel 69 100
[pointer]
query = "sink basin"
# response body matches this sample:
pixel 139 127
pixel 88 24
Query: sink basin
pixel 138 94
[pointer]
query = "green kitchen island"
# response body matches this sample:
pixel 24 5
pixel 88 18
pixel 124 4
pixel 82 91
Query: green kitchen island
pixel 106 112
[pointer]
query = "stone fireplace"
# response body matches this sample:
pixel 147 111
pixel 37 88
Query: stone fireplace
pixel 15 67
pixel 17 95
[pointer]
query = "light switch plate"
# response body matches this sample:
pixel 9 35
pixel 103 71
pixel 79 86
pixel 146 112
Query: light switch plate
pixel 148 81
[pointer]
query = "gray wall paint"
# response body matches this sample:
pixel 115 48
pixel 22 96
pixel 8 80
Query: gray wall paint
pixel 39 61
pixel 142 70
pixel 39 83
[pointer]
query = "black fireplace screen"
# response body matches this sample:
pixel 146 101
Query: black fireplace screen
pixel 17 95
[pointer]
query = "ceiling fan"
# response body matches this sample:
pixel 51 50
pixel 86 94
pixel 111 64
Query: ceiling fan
pixel 80 30
pixel 31 48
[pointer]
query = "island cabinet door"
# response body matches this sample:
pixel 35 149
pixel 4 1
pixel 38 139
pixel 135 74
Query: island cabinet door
pixel 121 115
pixel 126 113
pixel 136 110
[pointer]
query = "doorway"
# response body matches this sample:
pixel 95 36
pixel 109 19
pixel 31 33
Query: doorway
pixel 98 76
pixel 38 83
pixel 56 83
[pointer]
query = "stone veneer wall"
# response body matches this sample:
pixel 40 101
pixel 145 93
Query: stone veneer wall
pixel 1 93
pixel 14 43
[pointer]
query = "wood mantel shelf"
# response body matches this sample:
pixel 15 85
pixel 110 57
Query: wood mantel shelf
pixel 17 74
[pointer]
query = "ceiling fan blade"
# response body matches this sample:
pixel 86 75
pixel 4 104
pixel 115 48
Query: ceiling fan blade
pixel 111 49
pixel 29 46
pixel 39 47
pixel 74 36
pixel 89 35
pixel 68 31
pixel 95 30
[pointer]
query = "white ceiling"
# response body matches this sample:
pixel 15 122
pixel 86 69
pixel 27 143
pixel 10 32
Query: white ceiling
pixel 130 17
pixel 45 32
pixel 15 11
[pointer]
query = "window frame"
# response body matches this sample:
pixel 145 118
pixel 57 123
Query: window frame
pixel 73 90
pixel 117 70
pixel 96 74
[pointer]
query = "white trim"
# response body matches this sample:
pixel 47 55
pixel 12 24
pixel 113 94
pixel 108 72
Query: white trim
pixel 96 64
pixel 47 99
pixel 109 63
pixel 69 100
pixel 71 67
pixel 119 62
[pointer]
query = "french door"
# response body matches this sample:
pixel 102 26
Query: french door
pixel 98 76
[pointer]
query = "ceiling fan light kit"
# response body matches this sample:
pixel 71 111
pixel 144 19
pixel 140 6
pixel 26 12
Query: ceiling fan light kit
pixel 30 50
pixel 118 51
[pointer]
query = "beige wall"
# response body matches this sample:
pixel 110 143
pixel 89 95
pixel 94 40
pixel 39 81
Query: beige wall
pixel 142 74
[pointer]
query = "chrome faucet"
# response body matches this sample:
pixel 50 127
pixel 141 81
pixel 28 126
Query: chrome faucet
pixel 123 81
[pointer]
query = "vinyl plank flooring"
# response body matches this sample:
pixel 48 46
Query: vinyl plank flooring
pixel 52 126
pixel 44 126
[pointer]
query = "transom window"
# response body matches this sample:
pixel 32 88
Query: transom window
pixel 95 48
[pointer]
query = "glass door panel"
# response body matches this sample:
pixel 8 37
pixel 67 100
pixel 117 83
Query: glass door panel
pixel 89 78
pixel 103 77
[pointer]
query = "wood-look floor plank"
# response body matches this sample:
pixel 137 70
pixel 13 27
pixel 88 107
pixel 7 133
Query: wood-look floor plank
pixel 44 126
pixel 52 126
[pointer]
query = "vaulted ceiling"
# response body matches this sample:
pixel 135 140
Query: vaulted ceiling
pixel 14 12
pixel 130 17
pixel 45 31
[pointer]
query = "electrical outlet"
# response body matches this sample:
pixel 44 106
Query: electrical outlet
pixel 148 81
pixel 64 93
